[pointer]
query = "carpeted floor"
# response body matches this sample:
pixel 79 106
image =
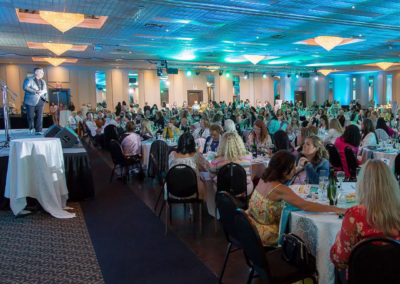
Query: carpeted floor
pixel 129 239
pixel 42 249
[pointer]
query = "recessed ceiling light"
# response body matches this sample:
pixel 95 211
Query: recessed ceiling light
pixel 353 7
pixel 167 30
pixel 360 35
pixel 258 37
pixel 49 40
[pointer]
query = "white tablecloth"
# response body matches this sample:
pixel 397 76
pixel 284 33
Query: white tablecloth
pixel 319 232
pixel 146 151
pixel 368 154
pixel 36 169
pixel 64 115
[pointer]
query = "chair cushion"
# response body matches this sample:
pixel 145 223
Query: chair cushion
pixel 281 270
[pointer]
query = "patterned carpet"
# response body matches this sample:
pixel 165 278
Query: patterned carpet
pixel 43 249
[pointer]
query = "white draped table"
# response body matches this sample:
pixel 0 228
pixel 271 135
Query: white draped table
pixel 367 154
pixel 319 231
pixel 36 169
pixel 146 150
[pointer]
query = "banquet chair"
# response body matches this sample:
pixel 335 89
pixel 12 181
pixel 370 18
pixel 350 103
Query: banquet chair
pixel 270 265
pixel 92 140
pixel 161 182
pixel 109 134
pixel 182 188
pixel 334 156
pixel 351 161
pixel 227 207
pixel 372 262
pixel 397 165
pixel 232 178
pixel 159 149
pixel 122 161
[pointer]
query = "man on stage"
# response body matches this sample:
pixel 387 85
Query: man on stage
pixel 35 96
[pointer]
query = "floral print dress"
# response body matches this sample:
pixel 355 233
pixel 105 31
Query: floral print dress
pixel 355 228
pixel 267 214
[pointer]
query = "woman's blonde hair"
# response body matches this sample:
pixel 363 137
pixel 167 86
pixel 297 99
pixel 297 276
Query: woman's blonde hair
pixel 231 147
pixel 377 190
pixel 335 124
pixel 145 127
pixel 321 152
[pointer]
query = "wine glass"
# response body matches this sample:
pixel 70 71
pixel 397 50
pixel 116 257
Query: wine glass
pixel 322 184
pixel 340 177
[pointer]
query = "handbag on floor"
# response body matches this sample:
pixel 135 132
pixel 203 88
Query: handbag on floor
pixel 296 252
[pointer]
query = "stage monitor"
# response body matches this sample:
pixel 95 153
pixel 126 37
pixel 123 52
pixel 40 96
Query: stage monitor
pixel 172 70
pixel 68 137
pixel 52 131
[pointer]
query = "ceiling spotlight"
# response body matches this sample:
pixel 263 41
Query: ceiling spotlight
pixel 221 72
pixel 197 73
pixel 189 73
pixel 246 75
pixel 316 78
pixel 264 74
pixel 272 74
pixel 297 75
pixel 227 74
pixel 288 75
pixel 167 83
pixel 159 72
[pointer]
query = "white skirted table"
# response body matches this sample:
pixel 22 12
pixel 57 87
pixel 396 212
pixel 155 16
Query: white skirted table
pixel 36 169
pixel 389 156
pixel 146 150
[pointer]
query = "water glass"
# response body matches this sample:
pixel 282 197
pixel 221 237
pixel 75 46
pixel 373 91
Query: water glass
pixel 340 177
pixel 322 188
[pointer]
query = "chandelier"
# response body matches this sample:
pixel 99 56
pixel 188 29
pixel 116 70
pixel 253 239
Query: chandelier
pixel 55 61
pixel 325 72
pixel 213 68
pixel 254 58
pixel 384 65
pixel 57 48
pixel 62 21
pixel 328 42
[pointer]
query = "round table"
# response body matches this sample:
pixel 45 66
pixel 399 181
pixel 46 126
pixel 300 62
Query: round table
pixel 36 169
pixel 379 155
pixel 319 230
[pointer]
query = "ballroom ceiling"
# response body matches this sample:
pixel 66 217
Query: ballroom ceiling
pixel 211 31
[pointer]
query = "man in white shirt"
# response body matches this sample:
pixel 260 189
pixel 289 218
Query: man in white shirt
pixel 196 106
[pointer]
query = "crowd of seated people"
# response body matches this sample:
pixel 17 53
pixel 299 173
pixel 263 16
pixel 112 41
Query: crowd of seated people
pixel 298 135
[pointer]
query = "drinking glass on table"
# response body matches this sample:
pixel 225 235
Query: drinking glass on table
pixel 340 177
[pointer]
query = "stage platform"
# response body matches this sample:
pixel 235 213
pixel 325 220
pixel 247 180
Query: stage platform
pixel 78 172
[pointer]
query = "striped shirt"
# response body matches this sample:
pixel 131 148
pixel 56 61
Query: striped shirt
pixel 218 162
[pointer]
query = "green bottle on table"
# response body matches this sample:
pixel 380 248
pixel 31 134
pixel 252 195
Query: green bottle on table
pixel 331 187
pixel 254 149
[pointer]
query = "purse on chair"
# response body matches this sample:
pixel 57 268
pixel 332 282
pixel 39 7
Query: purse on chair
pixel 296 252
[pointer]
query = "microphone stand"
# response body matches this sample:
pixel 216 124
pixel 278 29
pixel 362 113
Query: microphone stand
pixel 6 91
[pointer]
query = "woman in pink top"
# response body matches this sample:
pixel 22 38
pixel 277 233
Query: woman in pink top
pixel 132 142
pixel 351 137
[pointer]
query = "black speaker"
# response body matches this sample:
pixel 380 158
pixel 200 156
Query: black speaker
pixel 52 131
pixel 172 70
pixel 68 137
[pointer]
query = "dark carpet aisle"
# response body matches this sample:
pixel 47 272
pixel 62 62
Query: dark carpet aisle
pixel 129 239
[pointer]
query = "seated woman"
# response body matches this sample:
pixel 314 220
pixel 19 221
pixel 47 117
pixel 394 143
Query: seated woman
pixel 267 200
pixel 335 131
pixel 369 137
pixel 109 120
pixel 72 121
pixel 159 121
pixel 231 149
pixel 229 126
pixel 351 137
pixel 204 130
pixel 381 124
pixel 281 141
pixel 324 123
pixel 130 141
pixel 354 120
pixel 145 130
pixel 171 129
pixel 312 160
pixel 186 154
pixel 274 124
pixel 259 135
pixel 303 134
pixel 377 213
pixel 212 141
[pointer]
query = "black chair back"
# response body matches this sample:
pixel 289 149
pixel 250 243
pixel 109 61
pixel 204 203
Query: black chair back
pixel 232 178
pixel 156 171
pixel 109 134
pixel 351 160
pixel 397 165
pixel 249 238
pixel 159 149
pixel 227 207
pixel 181 182
pixel 375 260
pixel 117 154
pixel 334 156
